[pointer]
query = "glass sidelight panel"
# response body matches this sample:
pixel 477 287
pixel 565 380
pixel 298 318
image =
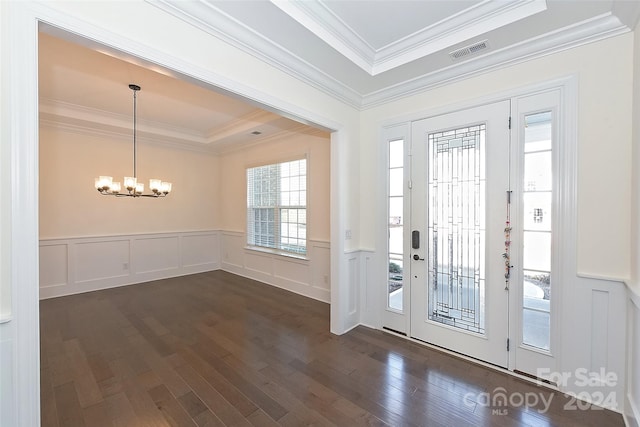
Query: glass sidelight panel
pixel 536 239
pixel 396 225
pixel 456 227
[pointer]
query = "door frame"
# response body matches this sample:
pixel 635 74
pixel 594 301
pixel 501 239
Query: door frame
pixel 565 230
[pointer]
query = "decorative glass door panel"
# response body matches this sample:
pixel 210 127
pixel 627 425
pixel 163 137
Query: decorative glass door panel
pixel 456 229
pixel 460 178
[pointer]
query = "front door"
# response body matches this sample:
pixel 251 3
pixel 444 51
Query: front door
pixel 459 236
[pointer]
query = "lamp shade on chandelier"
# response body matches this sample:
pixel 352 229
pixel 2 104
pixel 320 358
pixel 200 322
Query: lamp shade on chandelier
pixel 132 188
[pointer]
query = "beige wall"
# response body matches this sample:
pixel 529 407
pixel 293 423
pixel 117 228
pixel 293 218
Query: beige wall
pixel 604 74
pixel 71 207
pixel 209 192
pixel 233 192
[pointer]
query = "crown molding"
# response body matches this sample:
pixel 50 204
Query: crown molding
pixel 478 19
pixel 101 130
pixel 104 124
pixel 213 21
pixel 582 33
pixel 91 121
pixel 226 28
pixel 69 112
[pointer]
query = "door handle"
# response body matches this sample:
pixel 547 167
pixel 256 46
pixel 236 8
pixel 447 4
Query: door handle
pixel 417 257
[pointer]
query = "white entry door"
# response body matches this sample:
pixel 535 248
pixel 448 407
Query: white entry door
pixel 459 180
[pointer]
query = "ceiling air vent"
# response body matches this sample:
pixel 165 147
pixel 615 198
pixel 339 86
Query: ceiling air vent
pixel 473 49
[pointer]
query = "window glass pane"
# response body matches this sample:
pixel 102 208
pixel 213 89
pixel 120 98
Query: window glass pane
pixel 536 327
pixel 395 240
pixel 537 171
pixel 395 211
pixel 395 182
pixel 537 134
pixel 270 190
pixel 537 250
pixel 537 211
pixel 395 226
pixel 456 228
pixel 396 153
pixel 395 283
pixel 537 290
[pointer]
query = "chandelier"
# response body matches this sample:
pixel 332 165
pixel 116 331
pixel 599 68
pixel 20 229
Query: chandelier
pixel 106 186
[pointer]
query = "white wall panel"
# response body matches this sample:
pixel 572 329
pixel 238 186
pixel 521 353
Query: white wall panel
pixel 54 265
pixel 232 249
pixel 593 331
pixel 632 407
pixel 200 249
pixel 297 271
pixel 354 278
pixel 100 260
pixel 308 277
pixel 7 380
pixel 259 262
pixel 70 266
pixel 599 329
pixel 320 268
pixel 155 254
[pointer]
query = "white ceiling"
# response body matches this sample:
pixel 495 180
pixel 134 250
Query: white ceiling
pixel 363 52
pixel 81 87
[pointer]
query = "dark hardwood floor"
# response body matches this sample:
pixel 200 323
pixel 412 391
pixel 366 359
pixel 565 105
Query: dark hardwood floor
pixel 215 349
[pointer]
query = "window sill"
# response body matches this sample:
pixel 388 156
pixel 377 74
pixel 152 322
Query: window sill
pixel 277 252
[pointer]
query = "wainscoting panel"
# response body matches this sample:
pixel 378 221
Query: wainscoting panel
pixel 96 260
pixel 632 402
pixel 7 379
pixel 599 329
pixel 308 277
pixel 593 332
pixel 371 288
pixel 53 265
pixel 155 254
pixel 353 268
pixel 321 266
pixel 70 266
pixel 259 263
pixel 294 270
pixel 75 265
pixel 200 249
pixel 232 250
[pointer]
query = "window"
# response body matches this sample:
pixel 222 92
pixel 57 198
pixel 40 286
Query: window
pixel 277 206
pixel 396 224
pixel 537 229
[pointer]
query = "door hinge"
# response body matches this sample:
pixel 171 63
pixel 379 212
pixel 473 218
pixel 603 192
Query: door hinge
pixel 410 184
pixel 507 344
pixel 509 196
pixel 509 122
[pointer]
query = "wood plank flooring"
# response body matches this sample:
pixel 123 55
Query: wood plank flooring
pixel 215 349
